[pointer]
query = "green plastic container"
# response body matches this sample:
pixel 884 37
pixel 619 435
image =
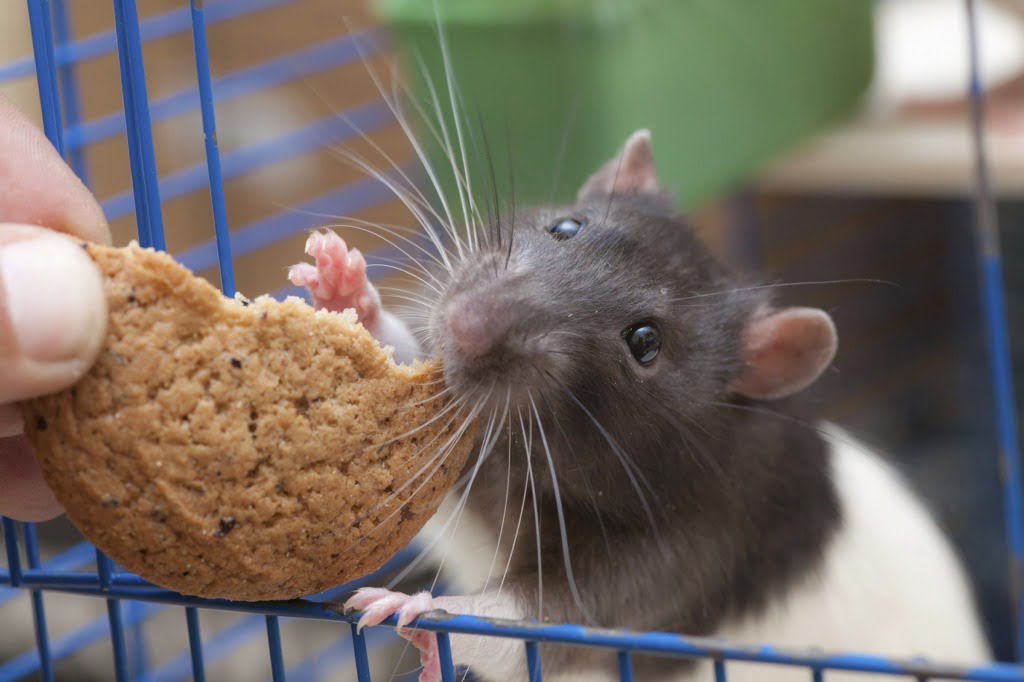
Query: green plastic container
pixel 724 85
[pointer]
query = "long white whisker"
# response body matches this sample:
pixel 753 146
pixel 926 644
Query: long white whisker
pixel 562 529
pixel 452 88
pixel 522 510
pixel 444 141
pixel 508 488
pixel 419 209
pixel 536 513
pixel 421 155
pixel 630 467
pixel 783 284
pixel 375 230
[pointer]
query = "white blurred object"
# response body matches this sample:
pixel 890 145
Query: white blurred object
pixel 921 49
pixel 914 137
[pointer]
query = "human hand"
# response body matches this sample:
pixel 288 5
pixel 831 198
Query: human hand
pixel 53 313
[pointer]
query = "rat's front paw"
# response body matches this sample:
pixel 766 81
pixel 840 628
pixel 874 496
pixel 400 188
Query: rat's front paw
pixel 338 280
pixel 377 604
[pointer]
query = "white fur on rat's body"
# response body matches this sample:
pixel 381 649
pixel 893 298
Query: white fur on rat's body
pixel 889 584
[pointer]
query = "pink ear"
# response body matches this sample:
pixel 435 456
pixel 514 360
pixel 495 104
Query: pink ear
pixel 785 351
pixel 632 171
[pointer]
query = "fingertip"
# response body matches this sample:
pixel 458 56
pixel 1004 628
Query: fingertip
pixel 26 497
pixel 53 312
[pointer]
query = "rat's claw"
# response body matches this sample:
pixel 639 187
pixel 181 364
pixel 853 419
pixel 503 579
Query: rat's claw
pixel 377 604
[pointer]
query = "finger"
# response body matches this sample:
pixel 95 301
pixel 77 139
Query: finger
pixel 53 313
pixel 11 423
pixel 25 496
pixel 37 187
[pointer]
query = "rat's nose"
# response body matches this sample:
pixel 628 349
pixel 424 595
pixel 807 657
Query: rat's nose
pixel 476 329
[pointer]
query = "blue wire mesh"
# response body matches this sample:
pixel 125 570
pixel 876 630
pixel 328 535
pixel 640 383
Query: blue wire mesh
pixel 131 601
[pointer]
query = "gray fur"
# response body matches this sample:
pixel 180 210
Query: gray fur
pixel 733 503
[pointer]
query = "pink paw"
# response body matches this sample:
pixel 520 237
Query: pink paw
pixel 377 604
pixel 338 280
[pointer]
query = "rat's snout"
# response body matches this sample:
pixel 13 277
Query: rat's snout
pixel 495 342
pixel 476 329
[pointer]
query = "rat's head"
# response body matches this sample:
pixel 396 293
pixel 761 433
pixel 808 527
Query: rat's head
pixel 609 320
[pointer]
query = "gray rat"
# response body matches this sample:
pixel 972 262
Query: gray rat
pixel 640 400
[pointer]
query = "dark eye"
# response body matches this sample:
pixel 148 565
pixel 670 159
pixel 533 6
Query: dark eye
pixel 644 342
pixel 565 228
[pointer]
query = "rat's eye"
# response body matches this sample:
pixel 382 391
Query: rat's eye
pixel 644 342
pixel 565 228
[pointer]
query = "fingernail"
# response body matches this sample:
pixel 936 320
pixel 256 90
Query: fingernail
pixel 53 297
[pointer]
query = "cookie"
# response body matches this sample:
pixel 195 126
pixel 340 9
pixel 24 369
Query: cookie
pixel 243 450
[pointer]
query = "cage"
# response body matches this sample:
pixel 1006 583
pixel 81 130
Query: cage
pixel 185 170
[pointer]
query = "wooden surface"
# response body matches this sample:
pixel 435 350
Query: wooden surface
pixel 899 157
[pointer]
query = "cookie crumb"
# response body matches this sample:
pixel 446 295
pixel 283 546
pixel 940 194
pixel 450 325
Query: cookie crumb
pixel 227 523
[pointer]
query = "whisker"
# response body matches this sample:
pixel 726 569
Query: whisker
pixel 633 472
pixel 536 513
pixel 491 436
pixel 420 153
pixel 562 529
pixel 508 488
pixel 783 284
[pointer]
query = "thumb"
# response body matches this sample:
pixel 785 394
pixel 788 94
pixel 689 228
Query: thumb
pixel 53 313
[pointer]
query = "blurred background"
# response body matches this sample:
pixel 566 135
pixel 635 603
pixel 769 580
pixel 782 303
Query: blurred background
pixel 811 141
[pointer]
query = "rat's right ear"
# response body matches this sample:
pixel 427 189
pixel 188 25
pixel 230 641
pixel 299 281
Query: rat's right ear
pixel 631 172
pixel 785 351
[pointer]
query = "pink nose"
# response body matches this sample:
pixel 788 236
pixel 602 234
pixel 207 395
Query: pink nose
pixel 474 329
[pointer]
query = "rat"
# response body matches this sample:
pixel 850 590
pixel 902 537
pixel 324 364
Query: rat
pixel 645 400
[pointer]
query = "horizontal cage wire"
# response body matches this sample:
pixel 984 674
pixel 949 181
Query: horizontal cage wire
pixel 57 61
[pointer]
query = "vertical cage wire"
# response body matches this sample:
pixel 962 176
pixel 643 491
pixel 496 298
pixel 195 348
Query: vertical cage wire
pixel 10 527
pixel 38 607
pixel 533 670
pixel 195 644
pixel 46 73
pixel 67 88
pixel 138 654
pixel 220 218
pixel 444 655
pixel 140 134
pixel 360 654
pixel 274 644
pixel 105 569
pixel 986 226
pixel 625 667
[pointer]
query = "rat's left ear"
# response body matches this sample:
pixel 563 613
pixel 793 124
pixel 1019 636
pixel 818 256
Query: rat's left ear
pixel 631 172
pixel 785 351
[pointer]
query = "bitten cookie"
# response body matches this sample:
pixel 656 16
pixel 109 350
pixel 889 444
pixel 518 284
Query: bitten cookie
pixel 243 450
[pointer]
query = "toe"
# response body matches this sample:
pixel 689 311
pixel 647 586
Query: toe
pixel 365 596
pixel 381 608
pixel 356 270
pixel 411 610
pixel 302 274
pixel 333 247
